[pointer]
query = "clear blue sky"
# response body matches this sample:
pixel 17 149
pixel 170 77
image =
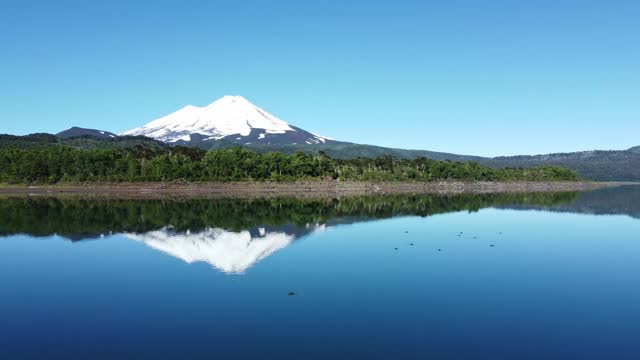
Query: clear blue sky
pixel 472 77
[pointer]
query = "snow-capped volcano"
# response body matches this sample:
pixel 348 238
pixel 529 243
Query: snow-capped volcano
pixel 231 118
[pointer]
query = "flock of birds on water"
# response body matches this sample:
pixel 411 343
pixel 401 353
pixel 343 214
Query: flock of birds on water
pixel 292 293
pixel 459 235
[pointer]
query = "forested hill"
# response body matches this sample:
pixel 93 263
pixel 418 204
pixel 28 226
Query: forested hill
pixel 622 165
pixel 60 163
pixel 345 150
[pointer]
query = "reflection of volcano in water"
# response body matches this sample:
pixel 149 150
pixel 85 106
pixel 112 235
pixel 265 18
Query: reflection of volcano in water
pixel 230 252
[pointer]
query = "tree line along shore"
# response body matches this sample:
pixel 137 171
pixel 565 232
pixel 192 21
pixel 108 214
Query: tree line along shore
pixel 64 164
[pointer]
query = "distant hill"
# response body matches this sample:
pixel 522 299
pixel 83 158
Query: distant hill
pixel 78 131
pixel 345 150
pixel 81 142
pixel 334 149
pixel 620 165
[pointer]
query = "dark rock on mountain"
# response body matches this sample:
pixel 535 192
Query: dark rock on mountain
pixel 257 137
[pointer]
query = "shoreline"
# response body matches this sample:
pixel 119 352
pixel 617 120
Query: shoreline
pixel 300 188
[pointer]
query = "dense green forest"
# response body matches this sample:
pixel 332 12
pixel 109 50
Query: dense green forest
pixel 79 218
pixel 612 165
pixel 621 165
pixel 55 164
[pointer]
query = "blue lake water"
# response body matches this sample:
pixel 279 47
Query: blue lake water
pixel 542 276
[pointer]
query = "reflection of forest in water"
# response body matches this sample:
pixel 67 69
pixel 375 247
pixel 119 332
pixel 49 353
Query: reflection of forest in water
pixel 234 234
pixel 78 218
pixel 623 200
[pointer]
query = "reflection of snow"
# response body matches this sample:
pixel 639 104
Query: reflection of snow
pixel 231 252
pixel 228 251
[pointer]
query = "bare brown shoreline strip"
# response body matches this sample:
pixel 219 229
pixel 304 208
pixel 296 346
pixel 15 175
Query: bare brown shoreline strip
pixel 298 189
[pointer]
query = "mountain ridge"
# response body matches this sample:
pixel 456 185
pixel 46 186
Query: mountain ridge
pixel 234 121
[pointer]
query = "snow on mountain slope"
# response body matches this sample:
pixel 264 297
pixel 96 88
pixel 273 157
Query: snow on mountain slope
pixel 232 118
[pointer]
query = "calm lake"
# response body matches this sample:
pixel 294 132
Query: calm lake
pixel 531 276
